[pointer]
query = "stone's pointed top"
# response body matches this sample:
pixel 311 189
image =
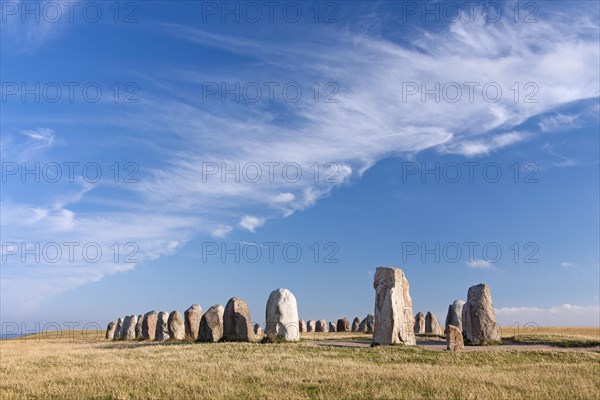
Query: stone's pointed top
pixel 458 302
pixel 194 307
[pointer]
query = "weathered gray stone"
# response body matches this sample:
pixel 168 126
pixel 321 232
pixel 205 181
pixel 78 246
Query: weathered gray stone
pixel 192 317
pixel 321 326
pixel 237 323
pixel 432 326
pixel 454 316
pixel 311 326
pixel 282 316
pixel 367 325
pixel 110 330
pixel 162 327
pixel 454 339
pixel 419 323
pixel 355 324
pixel 149 325
pixel 176 326
pixel 394 320
pixel 478 317
pixel 343 325
pixel 211 324
pixel 332 327
pixel 302 326
pixel 128 329
pixel 138 327
pixel 118 329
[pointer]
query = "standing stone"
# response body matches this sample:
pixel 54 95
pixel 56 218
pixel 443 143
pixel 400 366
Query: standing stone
pixel 110 330
pixel 118 329
pixel 332 327
pixel 138 327
pixel 282 316
pixel 367 325
pixel 321 326
pixel 454 339
pixel 394 321
pixel 478 317
pixel 310 326
pixel 128 329
pixel 454 316
pixel 192 315
pixel 432 325
pixel 162 327
pixel 176 326
pixel 419 323
pixel 237 324
pixel 370 323
pixel 343 325
pixel 258 332
pixel 211 324
pixel 355 324
pixel 302 326
pixel 149 325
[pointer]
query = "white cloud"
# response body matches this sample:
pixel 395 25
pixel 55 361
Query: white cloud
pixel 566 264
pixel 251 222
pixel 221 231
pixel 482 146
pixel 481 264
pixel 27 144
pixel 564 315
pixel 284 197
pixel 558 122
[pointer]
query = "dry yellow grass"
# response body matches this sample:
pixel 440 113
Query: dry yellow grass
pixel 560 336
pixel 63 367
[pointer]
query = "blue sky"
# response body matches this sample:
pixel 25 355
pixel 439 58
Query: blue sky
pixel 348 89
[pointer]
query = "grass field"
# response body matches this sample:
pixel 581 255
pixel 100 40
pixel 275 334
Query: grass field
pixel 63 366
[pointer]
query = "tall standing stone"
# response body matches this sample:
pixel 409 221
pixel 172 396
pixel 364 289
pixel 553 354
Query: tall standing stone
pixel 192 317
pixel 162 327
pixel 355 324
pixel 394 321
pixel 176 326
pixel 432 326
pixel 343 325
pixel 110 330
pixel 419 323
pixel 211 324
pixel 237 324
pixel 118 329
pixel 478 317
pixel 302 326
pixel 454 316
pixel 128 329
pixel 149 325
pixel 321 326
pixel 138 327
pixel 311 326
pixel 282 315
pixel 332 327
